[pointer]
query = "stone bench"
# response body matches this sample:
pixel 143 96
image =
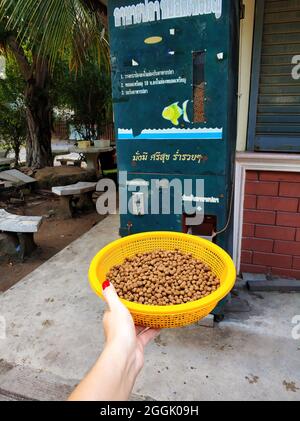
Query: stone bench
pixel 5 163
pixel 64 161
pixel 18 230
pixel 75 196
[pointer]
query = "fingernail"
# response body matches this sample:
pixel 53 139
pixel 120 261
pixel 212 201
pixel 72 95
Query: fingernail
pixel 105 285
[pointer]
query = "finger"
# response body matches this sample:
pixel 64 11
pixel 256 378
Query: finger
pixel 110 295
pixel 148 336
pixel 105 319
pixel 139 329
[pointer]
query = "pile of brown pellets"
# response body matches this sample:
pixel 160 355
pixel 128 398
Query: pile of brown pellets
pixel 163 278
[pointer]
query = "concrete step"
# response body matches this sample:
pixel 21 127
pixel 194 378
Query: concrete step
pixel 19 383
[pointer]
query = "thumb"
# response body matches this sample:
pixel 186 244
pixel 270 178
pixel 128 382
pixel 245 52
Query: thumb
pixel 110 295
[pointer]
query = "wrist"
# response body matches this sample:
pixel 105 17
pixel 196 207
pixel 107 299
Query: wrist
pixel 122 367
pixel 124 357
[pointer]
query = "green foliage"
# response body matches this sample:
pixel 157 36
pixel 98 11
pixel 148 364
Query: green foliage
pixel 12 110
pixel 49 39
pixel 85 98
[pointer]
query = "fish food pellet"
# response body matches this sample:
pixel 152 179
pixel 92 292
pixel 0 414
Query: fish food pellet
pixel 163 278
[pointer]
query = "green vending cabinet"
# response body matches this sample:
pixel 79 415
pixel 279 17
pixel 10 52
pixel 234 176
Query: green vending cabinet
pixel 175 84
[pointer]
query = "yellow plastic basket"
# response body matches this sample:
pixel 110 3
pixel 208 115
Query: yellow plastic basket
pixel 166 316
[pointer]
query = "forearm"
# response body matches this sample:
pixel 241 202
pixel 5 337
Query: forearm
pixel 111 379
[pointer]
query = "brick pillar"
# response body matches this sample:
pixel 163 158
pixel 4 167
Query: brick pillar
pixel 271 231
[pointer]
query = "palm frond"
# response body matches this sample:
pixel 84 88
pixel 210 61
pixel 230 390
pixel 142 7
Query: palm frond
pixel 54 27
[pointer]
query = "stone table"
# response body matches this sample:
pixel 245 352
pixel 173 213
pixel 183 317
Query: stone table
pixel 91 155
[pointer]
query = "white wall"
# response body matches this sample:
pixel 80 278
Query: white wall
pixel 246 43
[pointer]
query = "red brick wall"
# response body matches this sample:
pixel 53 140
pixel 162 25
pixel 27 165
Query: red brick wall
pixel 271 232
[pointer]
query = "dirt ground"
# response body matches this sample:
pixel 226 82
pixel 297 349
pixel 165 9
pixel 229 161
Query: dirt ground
pixel 54 235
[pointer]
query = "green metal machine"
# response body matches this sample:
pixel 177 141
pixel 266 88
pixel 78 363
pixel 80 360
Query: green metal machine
pixel 175 85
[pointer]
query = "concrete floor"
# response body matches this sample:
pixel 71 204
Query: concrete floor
pixel 54 335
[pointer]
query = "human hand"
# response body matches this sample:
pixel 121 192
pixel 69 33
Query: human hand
pixel 121 333
pixel 113 375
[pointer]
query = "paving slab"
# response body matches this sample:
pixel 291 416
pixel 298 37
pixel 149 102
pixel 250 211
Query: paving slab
pixel 54 326
pixel 281 285
pixel 254 276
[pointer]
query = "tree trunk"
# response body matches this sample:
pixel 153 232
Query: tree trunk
pixel 38 145
pixel 38 109
pixel 16 148
pixel 38 115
